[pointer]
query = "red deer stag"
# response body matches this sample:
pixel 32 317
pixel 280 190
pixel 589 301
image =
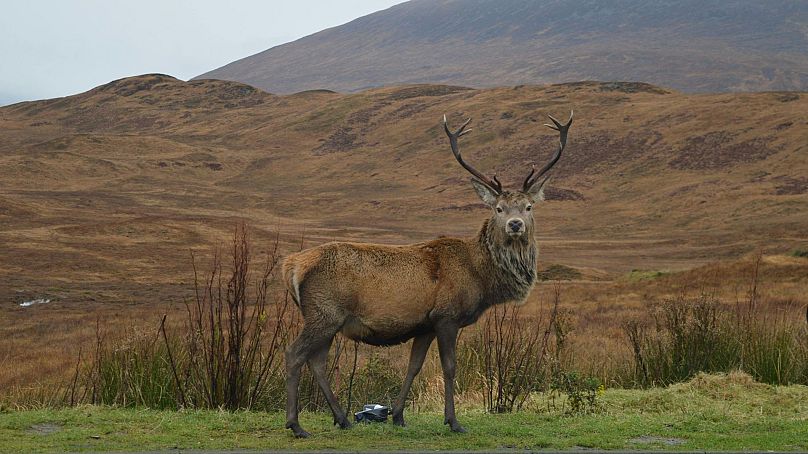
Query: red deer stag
pixel 386 295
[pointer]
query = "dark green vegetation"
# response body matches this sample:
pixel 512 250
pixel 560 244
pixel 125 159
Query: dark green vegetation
pixel 711 412
pixel 640 275
pixel 558 272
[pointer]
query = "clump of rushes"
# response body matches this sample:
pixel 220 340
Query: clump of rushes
pixel 691 335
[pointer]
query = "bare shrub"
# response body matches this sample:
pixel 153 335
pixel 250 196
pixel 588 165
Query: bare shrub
pixel 228 364
pixel 227 355
pixel 510 352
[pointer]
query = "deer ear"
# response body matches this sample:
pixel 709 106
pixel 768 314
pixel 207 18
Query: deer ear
pixel 488 196
pixel 536 192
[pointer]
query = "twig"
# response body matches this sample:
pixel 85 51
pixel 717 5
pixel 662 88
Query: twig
pixel 171 361
pixel 75 380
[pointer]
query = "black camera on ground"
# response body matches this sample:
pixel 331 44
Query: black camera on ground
pixel 372 413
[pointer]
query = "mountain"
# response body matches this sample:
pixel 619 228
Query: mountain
pixel 689 45
pixel 103 194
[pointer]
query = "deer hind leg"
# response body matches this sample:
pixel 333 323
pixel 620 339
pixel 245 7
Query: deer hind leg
pixel 318 363
pixel 447 343
pixel 420 346
pixel 310 340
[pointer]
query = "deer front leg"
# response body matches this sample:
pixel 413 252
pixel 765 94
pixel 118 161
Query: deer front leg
pixel 420 346
pixel 447 342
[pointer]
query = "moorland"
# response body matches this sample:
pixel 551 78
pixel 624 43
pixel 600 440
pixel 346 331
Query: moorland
pixel 105 195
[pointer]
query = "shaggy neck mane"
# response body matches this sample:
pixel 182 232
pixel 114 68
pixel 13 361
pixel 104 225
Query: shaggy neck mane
pixel 514 260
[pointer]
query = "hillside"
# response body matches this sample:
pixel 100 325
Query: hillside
pixel 105 195
pixel 691 45
pixel 106 191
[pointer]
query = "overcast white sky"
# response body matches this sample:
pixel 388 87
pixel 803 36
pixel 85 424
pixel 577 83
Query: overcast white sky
pixel 51 48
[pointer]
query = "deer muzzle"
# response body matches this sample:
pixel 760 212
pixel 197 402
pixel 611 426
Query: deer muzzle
pixel 515 227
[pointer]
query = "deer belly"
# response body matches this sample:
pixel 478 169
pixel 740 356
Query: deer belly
pixel 384 331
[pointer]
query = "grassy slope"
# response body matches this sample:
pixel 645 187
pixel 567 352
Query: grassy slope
pixel 709 413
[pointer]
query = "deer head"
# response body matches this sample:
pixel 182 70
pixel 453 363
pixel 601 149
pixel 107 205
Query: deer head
pixel 512 211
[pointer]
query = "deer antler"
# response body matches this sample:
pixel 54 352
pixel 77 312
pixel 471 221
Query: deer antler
pixel 492 183
pixel 563 129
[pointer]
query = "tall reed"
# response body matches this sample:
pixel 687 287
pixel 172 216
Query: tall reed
pixel 690 335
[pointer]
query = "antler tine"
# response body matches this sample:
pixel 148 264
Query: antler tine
pixel 460 131
pixel 563 129
pixel 492 183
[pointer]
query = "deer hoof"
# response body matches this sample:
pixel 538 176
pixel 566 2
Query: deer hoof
pixel 456 427
pixel 298 431
pixel 344 424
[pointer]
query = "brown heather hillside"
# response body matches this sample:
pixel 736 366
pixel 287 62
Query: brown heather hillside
pixel 103 194
pixel 111 183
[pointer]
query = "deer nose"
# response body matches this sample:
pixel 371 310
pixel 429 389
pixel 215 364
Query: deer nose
pixel 516 225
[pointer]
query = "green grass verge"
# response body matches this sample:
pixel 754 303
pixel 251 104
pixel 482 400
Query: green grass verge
pixel 709 413
pixel 645 275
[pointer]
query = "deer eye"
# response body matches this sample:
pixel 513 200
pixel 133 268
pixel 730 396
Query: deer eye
pixel 529 207
pixel 499 209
